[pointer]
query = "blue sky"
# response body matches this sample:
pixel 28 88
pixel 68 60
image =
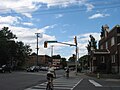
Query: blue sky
pixel 59 20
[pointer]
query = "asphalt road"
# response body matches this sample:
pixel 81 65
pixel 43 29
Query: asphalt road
pixel 19 80
pixel 22 80
pixel 37 81
pixel 92 83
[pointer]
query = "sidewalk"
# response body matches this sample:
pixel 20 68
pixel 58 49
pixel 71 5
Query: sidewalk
pixel 104 76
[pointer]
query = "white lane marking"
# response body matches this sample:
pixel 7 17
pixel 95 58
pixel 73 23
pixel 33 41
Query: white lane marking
pixel 58 84
pixel 95 83
pixel 76 84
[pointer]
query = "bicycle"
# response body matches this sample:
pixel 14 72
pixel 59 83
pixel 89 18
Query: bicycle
pixel 50 84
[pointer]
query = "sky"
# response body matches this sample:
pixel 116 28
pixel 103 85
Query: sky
pixel 58 20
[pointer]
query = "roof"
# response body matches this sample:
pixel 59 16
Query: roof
pixel 101 51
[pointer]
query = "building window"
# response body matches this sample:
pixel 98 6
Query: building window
pixel 113 58
pixel 106 45
pixel 94 58
pixel 112 41
pixel 102 59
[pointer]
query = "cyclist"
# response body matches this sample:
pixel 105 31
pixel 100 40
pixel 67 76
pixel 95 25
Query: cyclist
pixel 50 81
pixel 67 73
pixel 52 70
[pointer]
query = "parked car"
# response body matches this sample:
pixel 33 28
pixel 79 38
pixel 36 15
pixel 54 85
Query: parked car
pixel 44 68
pixel 33 69
pixel 5 68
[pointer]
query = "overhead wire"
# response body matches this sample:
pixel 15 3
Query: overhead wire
pixel 99 5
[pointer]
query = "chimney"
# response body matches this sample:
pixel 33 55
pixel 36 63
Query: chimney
pixel 106 30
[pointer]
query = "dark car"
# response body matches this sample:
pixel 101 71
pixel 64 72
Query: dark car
pixel 33 69
pixel 5 68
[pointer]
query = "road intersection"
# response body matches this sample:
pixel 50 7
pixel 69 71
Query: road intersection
pixel 79 82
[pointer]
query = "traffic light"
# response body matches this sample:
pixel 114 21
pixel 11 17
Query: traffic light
pixel 45 44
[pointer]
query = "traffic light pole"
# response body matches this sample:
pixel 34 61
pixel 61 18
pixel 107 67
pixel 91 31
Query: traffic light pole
pixel 76 60
pixel 75 40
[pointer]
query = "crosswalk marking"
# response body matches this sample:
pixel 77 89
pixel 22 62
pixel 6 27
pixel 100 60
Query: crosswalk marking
pixel 63 83
pixel 60 83
pixel 95 83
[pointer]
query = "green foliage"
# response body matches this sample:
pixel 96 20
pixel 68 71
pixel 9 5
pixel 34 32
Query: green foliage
pixel 72 59
pixel 83 58
pixel 63 62
pixel 56 57
pixel 14 53
pixel 92 44
pixel 84 61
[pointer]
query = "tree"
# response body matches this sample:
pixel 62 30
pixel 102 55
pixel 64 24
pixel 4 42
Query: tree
pixel 6 45
pixel 23 52
pixel 92 44
pixel 63 62
pixel 11 52
pixel 84 61
pixel 72 59
pixel 56 57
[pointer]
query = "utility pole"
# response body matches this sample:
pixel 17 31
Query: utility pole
pixel 37 34
pixel 75 40
pixel 52 53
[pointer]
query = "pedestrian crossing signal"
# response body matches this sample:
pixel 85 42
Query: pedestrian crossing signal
pixel 45 44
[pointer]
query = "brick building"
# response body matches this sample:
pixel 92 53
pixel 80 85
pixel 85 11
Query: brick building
pixel 106 58
pixel 43 60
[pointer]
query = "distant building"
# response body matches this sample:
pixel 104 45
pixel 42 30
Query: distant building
pixel 43 60
pixel 106 58
pixel 56 63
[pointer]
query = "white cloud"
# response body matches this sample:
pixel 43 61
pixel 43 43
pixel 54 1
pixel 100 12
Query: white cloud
pixel 98 15
pixel 28 24
pixel 28 36
pixel 83 41
pixel 27 15
pixel 66 3
pixel 9 20
pixel 89 6
pixel 26 7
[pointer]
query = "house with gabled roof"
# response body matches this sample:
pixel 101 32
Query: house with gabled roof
pixel 106 58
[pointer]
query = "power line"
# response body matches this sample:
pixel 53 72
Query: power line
pixel 74 10
pixel 71 9
pixel 96 3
